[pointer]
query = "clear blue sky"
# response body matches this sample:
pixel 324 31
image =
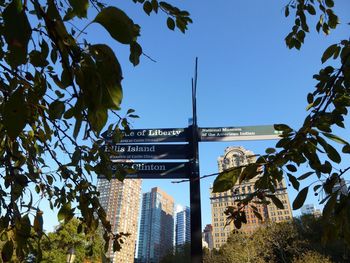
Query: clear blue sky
pixel 247 76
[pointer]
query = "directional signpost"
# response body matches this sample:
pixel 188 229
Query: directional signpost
pixel 154 151
pixel 157 144
pixel 262 132
pixel 153 135
pixel 156 170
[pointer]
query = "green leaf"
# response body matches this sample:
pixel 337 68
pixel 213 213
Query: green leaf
pixel 335 138
pixel 97 119
pixel 293 180
pixel 118 25
pixel 226 180
pixel 170 23
pixel 15 114
pixel 249 172
pixel 65 213
pixel 80 7
pixel 7 251
pixel 111 75
pixel 328 53
pixel 276 201
pixel 17 33
pixel 300 199
pixel 56 109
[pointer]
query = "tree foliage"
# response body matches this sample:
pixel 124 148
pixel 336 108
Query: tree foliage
pixel 56 93
pixel 287 242
pixel 182 253
pixel 315 145
pixel 56 245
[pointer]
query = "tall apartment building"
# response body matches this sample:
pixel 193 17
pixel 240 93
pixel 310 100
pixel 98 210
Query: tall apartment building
pixel 121 201
pixel 208 235
pixel 183 227
pixel 234 157
pixel 156 236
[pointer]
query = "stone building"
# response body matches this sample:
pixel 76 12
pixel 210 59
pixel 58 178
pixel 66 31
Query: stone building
pixel 235 157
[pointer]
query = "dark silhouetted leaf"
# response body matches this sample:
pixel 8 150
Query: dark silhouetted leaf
pixel 328 53
pixel 335 138
pixel 270 150
pixel 305 175
pixel 80 7
pixel 37 59
pixel 276 201
pixel 329 3
pixel 291 168
pixel 15 114
pixel 282 127
pixel 295 183
pixel 147 7
pixel 329 206
pixel 300 199
pixel 56 109
pixel 135 53
pixel 17 33
pixel 170 23
pixel 310 8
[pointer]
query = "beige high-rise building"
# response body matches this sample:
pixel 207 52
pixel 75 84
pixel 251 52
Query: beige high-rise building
pixel 121 201
pixel 234 157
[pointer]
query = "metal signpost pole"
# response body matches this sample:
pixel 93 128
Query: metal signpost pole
pixel 195 197
pixel 148 144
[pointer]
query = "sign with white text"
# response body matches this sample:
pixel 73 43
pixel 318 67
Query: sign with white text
pixel 156 170
pixel 153 135
pixel 262 132
pixel 147 151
